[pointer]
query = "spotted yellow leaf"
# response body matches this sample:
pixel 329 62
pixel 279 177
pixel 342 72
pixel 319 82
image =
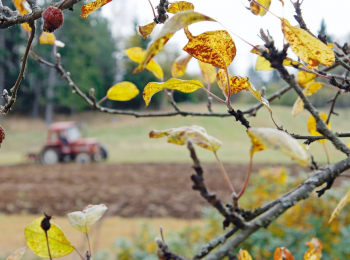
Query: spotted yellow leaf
pixel 137 54
pixel 215 47
pixel 17 255
pixel 180 6
pixel 267 138
pixel 47 38
pixel 310 49
pixel 178 21
pixel 237 84
pixel 342 203
pixel 123 91
pixel 93 6
pixel 308 91
pixel 282 253
pixel 36 240
pixel 311 125
pixel 186 86
pixel 244 255
pixel 257 9
pixel 208 72
pixel 147 29
pixel 83 220
pixel 315 250
pixel 197 134
pixel 305 78
pixel 180 65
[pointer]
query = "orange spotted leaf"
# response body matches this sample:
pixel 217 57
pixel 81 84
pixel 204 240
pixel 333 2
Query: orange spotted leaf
pixel 186 86
pixel 47 38
pixel 311 125
pixel 257 9
pixel 197 134
pixel 282 253
pixel 180 6
pixel 178 21
pixel 315 250
pixel 215 47
pixel 310 49
pixel 180 65
pixel 147 29
pixel 93 6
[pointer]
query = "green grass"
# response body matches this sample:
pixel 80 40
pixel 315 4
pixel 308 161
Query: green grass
pixel 127 137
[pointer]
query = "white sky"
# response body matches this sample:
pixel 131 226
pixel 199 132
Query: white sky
pixel 234 15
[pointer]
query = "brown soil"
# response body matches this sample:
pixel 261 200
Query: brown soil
pixel 128 190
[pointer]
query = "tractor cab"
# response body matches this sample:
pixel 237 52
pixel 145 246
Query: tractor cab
pixel 65 143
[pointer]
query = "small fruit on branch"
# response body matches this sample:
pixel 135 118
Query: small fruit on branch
pixel 53 19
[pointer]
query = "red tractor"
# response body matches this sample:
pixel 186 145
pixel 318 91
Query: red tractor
pixel 64 143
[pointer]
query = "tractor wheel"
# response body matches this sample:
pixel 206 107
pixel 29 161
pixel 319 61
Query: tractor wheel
pixel 83 158
pixel 49 156
pixel 101 156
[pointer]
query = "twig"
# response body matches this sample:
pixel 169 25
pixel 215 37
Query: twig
pixel 331 111
pixel 312 138
pixel 299 17
pixel 165 254
pixel 14 89
pixel 154 14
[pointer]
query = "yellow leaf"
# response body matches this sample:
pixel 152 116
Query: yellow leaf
pixel 123 91
pixel 178 21
pixel 215 47
pixel 310 49
pixel 262 64
pixel 47 38
pixel 258 96
pixel 311 125
pixel 330 45
pixel 292 63
pixel 305 78
pixel 93 6
pixel 257 9
pixel 282 253
pixel 282 2
pixel 147 29
pixel 180 65
pixel 315 250
pixel 244 255
pixel 237 84
pixel 23 8
pixel 342 203
pixel 36 240
pixel 83 220
pixel 208 72
pixel 17 255
pixel 180 6
pixel 137 54
pixel 308 91
pixel 267 138
pixel 197 134
pixel 186 86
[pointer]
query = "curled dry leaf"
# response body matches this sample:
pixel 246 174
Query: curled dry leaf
pixel 267 138
pixel 197 134
pixel 216 48
pixel 17 255
pixel 208 72
pixel 311 125
pixel 47 38
pixel 342 203
pixel 147 29
pixel 186 86
pixel 257 9
pixel 308 91
pixel 83 220
pixel 91 7
pixel 315 250
pixel 36 240
pixel 180 65
pixel 305 78
pixel 123 91
pixel 180 6
pixel 178 21
pixel 310 49
pixel 137 54
pixel 23 8
pixel 282 253
pixel 244 255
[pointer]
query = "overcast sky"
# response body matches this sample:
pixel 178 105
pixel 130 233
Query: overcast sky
pixel 234 15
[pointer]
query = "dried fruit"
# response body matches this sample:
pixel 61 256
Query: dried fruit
pixel 2 135
pixel 53 19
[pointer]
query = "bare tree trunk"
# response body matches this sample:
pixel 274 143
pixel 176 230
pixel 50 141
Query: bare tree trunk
pixel 2 64
pixel 49 96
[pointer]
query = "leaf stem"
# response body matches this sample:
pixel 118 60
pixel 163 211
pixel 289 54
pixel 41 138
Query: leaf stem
pixel 325 150
pixel 154 14
pixel 48 245
pixel 103 99
pixel 78 253
pixel 228 100
pixel 246 178
pixel 232 189
pixel 222 101
pixel 87 236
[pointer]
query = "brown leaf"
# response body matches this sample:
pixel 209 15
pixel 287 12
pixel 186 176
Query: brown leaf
pixel 147 29
pixel 215 47
pixel 91 7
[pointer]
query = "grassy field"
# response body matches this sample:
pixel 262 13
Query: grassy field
pixel 127 137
